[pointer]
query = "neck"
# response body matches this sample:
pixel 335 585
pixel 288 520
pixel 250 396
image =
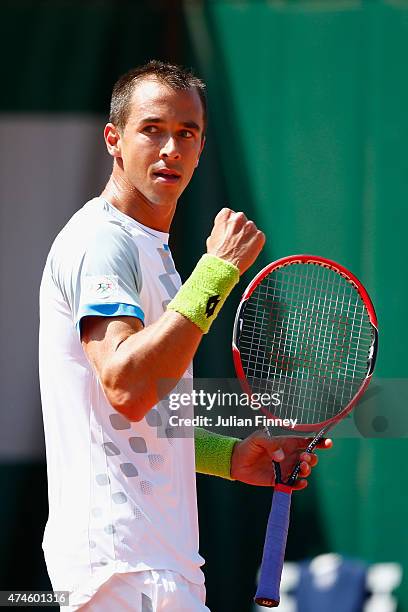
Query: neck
pixel 130 201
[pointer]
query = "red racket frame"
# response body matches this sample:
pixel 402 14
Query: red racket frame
pixel 328 263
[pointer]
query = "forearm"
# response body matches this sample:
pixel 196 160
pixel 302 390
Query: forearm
pixel 213 453
pixel 147 364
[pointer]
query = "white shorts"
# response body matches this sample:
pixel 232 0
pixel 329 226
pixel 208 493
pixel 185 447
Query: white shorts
pixel 149 591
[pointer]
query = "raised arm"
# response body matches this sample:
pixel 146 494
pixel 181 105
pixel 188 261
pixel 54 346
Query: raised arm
pixel 136 365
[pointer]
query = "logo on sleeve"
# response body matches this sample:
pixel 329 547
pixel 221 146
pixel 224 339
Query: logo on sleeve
pixel 211 305
pixel 101 287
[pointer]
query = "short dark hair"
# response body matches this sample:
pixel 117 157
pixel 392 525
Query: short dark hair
pixel 176 77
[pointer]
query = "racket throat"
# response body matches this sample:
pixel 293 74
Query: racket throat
pixel 295 473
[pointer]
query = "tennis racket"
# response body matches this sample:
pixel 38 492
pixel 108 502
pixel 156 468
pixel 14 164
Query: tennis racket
pixel 305 328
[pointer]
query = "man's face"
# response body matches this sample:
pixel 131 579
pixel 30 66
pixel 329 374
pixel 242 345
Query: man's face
pixel 162 140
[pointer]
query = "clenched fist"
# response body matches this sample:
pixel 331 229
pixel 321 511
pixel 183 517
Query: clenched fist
pixel 235 239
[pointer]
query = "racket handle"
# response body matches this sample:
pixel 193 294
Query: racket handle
pixel 267 593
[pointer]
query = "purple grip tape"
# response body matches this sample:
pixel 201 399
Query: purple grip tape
pixel 274 549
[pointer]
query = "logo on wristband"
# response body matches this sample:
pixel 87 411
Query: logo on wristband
pixel 211 305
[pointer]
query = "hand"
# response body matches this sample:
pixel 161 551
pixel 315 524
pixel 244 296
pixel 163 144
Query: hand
pixel 235 239
pixel 252 459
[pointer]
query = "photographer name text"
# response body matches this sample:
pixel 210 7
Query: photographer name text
pixel 258 420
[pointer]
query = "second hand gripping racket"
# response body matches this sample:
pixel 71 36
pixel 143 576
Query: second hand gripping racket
pixel 305 328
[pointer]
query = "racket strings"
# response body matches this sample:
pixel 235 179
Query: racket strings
pixel 307 335
pixel 306 352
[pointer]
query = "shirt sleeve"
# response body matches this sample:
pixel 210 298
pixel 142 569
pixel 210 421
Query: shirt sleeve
pixel 109 279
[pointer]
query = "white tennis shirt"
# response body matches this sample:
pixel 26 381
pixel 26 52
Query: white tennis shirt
pixel 122 495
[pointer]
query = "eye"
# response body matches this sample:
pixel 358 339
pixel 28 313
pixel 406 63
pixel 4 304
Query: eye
pixel 186 134
pixel 150 129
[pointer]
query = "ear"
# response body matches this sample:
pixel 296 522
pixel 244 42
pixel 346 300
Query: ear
pixel 112 140
pixel 200 151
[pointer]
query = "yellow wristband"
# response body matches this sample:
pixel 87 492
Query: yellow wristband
pixel 213 453
pixel 201 297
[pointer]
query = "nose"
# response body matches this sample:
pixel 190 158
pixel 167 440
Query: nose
pixel 169 149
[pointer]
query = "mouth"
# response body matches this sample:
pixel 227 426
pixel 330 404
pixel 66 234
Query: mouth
pixel 167 175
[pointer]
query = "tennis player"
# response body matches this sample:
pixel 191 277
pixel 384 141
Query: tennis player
pixel 122 532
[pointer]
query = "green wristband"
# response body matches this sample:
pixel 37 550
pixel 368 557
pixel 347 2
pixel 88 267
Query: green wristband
pixel 213 453
pixel 201 297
